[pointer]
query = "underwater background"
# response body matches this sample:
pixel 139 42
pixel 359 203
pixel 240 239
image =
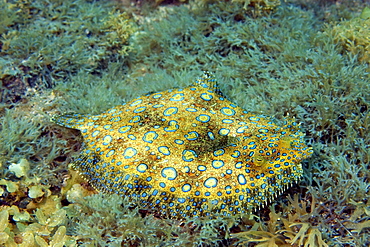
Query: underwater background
pixel 307 59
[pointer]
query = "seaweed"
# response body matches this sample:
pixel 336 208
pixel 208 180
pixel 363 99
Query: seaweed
pixel 48 41
pixel 126 225
pixel 353 35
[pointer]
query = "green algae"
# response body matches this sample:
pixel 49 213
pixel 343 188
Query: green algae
pixel 353 36
pixel 47 41
pixel 124 224
pixel 292 61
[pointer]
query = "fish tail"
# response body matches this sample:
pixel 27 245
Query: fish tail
pixel 71 120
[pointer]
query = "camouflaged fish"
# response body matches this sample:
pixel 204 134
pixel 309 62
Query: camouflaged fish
pixel 188 152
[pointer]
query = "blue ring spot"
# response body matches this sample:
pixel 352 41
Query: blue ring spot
pixel 107 139
pixel 115 119
pixel 202 168
pixel 224 132
pixel 110 153
pixel 164 150
pixel 241 129
pixel 239 165
pixel 157 105
pixel 107 126
pixel 112 110
pixel 186 188
pixel 136 102
pixel 177 97
pixel 95 133
pixel 211 135
pixel 189 155
pixel 206 96
pixel 129 153
pixel 236 154
pixel 178 141
pixel 210 182
pixel 191 109
pixel 157 96
pixel 150 136
pixel 254 118
pixel 140 109
pixel 172 126
pixel 227 121
pixel 135 119
pixel 131 136
pixel 217 164
pixel 170 111
pixel 203 118
pixel 227 111
pixel 241 179
pixel 124 129
pixel 186 169
pixel 219 152
pixel 192 135
pixel 169 172
pixel 142 168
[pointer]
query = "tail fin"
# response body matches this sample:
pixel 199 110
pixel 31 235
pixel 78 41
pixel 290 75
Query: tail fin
pixel 71 120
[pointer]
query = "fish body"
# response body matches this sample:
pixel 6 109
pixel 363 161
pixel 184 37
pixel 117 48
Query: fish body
pixel 188 152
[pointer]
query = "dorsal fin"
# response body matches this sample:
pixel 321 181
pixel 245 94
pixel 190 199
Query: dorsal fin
pixel 208 80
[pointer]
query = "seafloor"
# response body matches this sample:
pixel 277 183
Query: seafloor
pixel 307 59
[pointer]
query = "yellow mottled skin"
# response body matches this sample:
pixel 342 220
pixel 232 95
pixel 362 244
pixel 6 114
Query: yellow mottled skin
pixel 188 152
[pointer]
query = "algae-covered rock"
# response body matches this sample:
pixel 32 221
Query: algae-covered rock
pixel 21 168
pixel 354 35
pixel 260 5
pixel 39 230
pixel 35 191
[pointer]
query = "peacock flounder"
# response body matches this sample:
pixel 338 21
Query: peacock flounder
pixel 188 152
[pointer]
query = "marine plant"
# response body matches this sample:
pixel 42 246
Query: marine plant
pixel 30 214
pixel 40 45
pixel 353 35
